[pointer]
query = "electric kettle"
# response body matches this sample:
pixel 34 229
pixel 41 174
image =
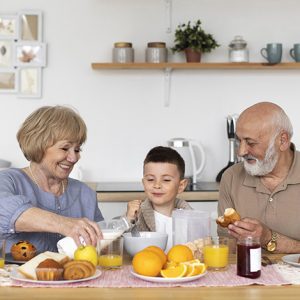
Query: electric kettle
pixel 193 154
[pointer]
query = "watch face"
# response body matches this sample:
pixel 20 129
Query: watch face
pixel 271 246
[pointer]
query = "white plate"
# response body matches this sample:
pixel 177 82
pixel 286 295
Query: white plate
pixel 17 276
pixel 291 259
pixel 168 280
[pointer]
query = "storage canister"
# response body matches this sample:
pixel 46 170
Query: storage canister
pixel 123 52
pixel 156 52
pixel 238 51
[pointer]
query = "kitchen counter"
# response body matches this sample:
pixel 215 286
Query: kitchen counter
pixel 126 191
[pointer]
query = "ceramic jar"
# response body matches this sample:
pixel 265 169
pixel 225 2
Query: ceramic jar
pixel 156 52
pixel 123 52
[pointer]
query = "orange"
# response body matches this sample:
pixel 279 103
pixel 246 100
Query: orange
pixel 158 251
pixel 147 263
pixel 176 272
pixel 180 253
pixel 195 269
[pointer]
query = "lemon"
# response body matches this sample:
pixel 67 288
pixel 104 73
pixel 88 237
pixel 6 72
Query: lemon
pixel 88 253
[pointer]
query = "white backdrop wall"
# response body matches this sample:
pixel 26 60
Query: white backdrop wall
pixel 124 110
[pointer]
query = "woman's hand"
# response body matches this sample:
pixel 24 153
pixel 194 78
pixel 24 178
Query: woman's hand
pixel 78 228
pixel 132 209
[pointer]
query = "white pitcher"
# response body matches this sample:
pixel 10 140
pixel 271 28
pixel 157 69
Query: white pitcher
pixel 193 154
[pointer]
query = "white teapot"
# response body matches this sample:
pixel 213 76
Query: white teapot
pixel 193 154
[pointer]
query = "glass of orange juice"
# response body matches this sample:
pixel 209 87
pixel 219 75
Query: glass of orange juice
pixel 110 253
pixel 215 253
pixel 2 253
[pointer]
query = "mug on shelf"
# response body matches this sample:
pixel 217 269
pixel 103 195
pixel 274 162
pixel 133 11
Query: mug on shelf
pixel 272 53
pixel 295 52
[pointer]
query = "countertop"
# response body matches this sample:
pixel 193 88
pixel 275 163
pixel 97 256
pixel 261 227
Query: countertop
pixel 126 191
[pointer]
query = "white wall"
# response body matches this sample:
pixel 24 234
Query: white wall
pixel 124 109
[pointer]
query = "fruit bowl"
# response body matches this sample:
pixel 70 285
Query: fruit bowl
pixel 134 244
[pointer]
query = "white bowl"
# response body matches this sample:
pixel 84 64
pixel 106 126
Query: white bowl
pixel 134 244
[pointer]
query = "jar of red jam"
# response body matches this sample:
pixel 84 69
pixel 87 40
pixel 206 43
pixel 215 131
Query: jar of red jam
pixel 249 257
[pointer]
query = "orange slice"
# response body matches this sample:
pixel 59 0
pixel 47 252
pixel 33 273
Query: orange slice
pixel 195 269
pixel 192 262
pixel 176 272
pixel 170 264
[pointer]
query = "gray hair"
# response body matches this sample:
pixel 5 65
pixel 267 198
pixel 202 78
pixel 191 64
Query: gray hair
pixel 282 122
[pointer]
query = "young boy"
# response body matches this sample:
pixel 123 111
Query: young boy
pixel 163 180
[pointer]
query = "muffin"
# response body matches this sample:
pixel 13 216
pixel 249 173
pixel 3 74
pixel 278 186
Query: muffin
pixel 23 251
pixel 49 269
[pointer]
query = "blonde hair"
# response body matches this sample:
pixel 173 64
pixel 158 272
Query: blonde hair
pixel 48 125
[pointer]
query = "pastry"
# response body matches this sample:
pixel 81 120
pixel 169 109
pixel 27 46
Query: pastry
pixel 78 269
pixel 229 217
pixel 23 251
pixel 49 269
pixel 29 268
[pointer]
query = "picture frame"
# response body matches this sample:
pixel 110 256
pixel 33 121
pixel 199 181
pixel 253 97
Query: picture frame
pixel 9 26
pixel 30 82
pixel 29 54
pixel 8 81
pixel 6 53
pixel 30 26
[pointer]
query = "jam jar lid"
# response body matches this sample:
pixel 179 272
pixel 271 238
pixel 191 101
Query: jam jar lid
pixel 156 45
pixel 238 42
pixel 123 45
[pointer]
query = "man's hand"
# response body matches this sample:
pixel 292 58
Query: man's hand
pixel 250 227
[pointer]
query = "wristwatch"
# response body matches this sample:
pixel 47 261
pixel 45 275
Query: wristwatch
pixel 272 244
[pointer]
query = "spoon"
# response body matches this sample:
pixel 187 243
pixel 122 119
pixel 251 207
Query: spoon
pixel 134 230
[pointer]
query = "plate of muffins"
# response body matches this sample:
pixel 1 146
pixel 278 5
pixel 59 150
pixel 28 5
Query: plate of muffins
pixel 48 267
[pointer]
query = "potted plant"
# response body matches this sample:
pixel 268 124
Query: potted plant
pixel 193 40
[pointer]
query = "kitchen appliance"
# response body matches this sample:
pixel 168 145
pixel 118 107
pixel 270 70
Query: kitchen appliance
pixel 231 130
pixel 193 154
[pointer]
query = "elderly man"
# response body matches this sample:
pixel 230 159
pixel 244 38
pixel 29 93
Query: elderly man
pixel 265 187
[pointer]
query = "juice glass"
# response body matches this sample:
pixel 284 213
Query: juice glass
pixel 215 253
pixel 2 253
pixel 110 253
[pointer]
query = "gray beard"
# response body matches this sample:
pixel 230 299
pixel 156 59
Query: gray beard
pixel 265 166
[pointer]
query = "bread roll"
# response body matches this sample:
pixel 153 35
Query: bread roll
pixel 229 217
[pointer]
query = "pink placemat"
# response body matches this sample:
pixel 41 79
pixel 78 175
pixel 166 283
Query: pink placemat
pixel 123 278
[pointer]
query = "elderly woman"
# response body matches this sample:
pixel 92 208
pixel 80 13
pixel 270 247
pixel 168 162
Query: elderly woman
pixel 40 203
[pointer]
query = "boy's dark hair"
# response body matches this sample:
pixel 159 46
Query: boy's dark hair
pixel 162 154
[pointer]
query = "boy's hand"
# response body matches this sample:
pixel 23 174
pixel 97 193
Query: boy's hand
pixel 132 209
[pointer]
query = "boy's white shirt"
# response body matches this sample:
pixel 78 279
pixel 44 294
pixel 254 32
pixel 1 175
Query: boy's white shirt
pixel 164 224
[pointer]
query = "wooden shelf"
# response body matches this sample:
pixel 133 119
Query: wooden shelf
pixel 205 66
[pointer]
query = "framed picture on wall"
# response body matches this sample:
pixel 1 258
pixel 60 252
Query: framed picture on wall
pixel 9 27
pixel 30 83
pixel 30 54
pixel 8 81
pixel 30 26
pixel 6 53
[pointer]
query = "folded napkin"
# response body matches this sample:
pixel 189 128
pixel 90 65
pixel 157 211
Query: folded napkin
pixel 67 246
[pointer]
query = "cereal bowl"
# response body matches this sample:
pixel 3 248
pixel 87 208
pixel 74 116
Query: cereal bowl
pixel 134 244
